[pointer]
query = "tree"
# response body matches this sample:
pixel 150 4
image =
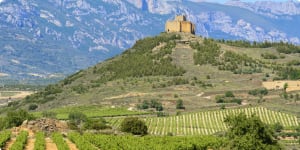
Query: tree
pixel 179 104
pixel 249 133
pixel 134 125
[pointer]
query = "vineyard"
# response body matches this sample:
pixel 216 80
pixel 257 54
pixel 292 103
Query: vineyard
pixel 208 122
pixel 199 126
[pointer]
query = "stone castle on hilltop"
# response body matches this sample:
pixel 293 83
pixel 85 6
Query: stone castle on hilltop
pixel 180 24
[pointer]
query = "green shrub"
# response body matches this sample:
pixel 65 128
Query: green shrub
pixel 77 117
pixel 229 94
pixel 95 124
pixel 33 107
pixel 134 125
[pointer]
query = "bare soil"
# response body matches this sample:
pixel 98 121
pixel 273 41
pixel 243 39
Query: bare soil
pixel 50 145
pixel 71 145
pixel 21 94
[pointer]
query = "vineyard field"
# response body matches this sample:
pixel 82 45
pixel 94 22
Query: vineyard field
pixel 91 112
pixel 208 122
pixel 108 142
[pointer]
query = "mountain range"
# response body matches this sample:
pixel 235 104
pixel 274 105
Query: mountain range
pixel 53 38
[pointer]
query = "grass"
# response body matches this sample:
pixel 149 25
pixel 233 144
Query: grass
pixel 91 111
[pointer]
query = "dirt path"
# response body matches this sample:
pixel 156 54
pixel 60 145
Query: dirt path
pixel 50 145
pixel 71 145
pixel 30 140
pixel 9 143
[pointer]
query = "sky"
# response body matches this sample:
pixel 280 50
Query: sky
pixel 222 1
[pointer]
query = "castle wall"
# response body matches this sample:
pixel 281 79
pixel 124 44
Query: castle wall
pixel 173 26
pixel 186 27
pixel 180 25
pixel 180 18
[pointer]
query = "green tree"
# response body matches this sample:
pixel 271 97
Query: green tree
pixel 179 104
pixel 249 133
pixel 134 125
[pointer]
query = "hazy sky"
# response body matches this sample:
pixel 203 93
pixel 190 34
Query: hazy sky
pixel 222 1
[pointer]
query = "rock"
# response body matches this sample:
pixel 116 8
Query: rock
pixel 46 125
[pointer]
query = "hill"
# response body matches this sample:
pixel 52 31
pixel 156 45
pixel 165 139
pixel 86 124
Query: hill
pixel 171 67
pixel 44 41
pixel 181 86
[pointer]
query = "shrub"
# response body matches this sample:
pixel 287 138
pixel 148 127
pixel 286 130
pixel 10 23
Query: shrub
pixel 179 104
pixel 134 125
pixel 95 124
pixel 219 99
pixel 32 107
pixel 77 117
pixel 16 118
pixel 229 94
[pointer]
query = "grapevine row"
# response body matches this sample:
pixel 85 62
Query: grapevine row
pixel 20 141
pixel 4 137
pixel 40 143
pixel 59 141
pixel 209 122
pixel 109 142
pixel 80 142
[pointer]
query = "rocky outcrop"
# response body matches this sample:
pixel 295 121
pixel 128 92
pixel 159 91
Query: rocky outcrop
pixel 46 125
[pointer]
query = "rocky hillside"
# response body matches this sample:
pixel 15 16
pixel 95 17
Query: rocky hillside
pixel 52 38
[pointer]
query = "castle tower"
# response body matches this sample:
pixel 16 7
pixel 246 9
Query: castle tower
pixel 180 24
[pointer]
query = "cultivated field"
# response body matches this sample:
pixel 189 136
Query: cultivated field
pixel 275 85
pixel 209 122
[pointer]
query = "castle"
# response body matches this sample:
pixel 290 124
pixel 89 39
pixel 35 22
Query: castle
pixel 180 24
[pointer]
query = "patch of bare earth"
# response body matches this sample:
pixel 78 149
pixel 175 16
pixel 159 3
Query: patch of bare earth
pixel 10 143
pixel 130 94
pixel 50 145
pixel 21 94
pixel 30 140
pixel 71 145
